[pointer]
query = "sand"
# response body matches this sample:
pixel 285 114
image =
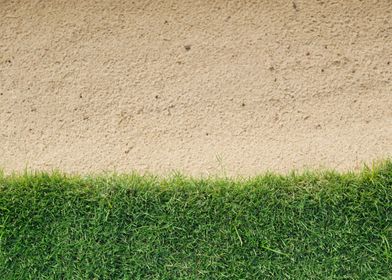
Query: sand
pixel 201 87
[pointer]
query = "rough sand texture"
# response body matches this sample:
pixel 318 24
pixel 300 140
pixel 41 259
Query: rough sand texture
pixel 198 86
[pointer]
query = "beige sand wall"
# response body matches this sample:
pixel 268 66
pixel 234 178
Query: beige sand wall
pixel 198 86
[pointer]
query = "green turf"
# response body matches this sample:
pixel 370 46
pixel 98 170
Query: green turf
pixel 308 226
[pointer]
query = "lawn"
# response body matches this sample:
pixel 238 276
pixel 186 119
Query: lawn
pixel 314 225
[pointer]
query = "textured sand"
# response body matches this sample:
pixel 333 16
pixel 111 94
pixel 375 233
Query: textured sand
pixel 235 87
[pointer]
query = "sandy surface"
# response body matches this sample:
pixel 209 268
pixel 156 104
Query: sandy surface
pixel 204 87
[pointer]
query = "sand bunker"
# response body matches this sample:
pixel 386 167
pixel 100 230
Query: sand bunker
pixel 234 87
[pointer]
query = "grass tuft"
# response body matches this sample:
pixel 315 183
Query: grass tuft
pixel 301 226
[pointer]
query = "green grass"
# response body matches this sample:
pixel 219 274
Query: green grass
pixel 307 226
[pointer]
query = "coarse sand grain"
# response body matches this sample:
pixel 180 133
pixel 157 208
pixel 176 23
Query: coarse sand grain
pixel 202 87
